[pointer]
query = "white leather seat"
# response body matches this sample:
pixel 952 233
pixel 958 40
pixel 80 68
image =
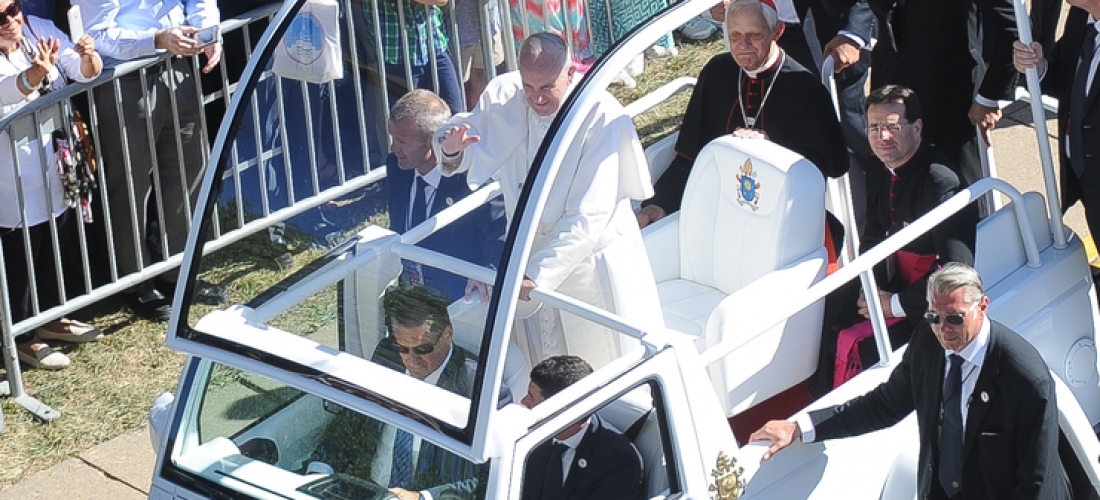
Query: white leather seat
pixel 750 232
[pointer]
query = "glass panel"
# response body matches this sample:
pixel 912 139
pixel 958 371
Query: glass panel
pixel 306 183
pixel 256 435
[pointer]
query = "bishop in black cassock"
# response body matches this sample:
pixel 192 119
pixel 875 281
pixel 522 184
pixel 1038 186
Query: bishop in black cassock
pixel 780 98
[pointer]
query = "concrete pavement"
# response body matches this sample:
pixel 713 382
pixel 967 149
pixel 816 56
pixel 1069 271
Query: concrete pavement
pixel 120 469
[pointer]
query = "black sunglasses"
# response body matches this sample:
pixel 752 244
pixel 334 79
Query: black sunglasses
pixel 9 13
pixel 954 319
pixel 420 350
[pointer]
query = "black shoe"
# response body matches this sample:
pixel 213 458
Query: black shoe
pixel 150 303
pixel 207 293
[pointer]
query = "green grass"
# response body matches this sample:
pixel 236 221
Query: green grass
pixel 111 384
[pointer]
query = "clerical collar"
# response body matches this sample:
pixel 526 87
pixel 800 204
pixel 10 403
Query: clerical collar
pixel 921 151
pixel 750 121
pixel 767 66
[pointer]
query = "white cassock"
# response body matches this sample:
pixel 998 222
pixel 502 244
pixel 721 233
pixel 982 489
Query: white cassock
pixel 588 244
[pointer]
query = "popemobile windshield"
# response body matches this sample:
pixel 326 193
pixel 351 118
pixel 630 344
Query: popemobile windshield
pixel 305 387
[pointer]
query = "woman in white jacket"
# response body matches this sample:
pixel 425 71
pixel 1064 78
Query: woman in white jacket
pixel 35 58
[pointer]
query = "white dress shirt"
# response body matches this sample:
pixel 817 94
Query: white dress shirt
pixel 571 443
pixel 432 179
pixel 125 29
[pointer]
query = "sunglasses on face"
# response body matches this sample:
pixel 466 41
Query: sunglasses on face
pixel 9 13
pixel 420 350
pixel 954 319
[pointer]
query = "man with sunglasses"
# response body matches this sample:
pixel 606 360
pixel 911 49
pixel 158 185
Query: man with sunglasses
pixel 984 398
pixel 420 344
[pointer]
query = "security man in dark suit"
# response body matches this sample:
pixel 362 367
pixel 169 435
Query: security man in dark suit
pixel 1069 74
pixel 420 344
pixel 588 460
pixel 418 190
pixel 998 434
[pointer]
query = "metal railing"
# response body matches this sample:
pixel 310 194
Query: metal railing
pixel 84 272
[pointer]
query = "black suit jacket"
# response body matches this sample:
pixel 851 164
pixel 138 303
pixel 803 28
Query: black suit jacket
pixel 799 115
pixel 1058 82
pixel 611 468
pixel 1011 445
pixel 477 238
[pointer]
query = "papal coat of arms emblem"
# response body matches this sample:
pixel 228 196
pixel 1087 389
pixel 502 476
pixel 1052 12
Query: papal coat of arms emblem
pixel 748 191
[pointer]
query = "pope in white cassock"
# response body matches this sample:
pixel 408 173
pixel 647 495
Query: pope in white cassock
pixel 588 244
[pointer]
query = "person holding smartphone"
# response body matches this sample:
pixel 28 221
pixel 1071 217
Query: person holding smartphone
pixel 124 30
pixel 37 58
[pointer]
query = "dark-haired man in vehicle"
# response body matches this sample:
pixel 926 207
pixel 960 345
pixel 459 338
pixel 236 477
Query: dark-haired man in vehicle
pixel 588 460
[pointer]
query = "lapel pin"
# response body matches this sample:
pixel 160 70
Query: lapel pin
pixel 582 463
pixel 985 397
pixel 450 201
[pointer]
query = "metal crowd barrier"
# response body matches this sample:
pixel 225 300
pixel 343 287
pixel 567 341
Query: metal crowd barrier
pixel 27 127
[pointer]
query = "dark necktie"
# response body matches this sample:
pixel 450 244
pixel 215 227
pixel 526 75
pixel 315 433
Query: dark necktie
pixel 401 473
pixel 419 203
pixel 1077 100
pixel 554 479
pixel 951 430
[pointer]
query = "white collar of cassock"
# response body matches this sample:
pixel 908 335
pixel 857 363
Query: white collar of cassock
pixel 769 64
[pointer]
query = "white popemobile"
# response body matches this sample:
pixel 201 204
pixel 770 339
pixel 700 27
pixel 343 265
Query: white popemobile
pixel 274 385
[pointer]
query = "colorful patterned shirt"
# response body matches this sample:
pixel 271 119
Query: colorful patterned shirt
pixel 423 24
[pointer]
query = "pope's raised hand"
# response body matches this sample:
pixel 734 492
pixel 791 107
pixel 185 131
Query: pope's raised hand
pixel 457 139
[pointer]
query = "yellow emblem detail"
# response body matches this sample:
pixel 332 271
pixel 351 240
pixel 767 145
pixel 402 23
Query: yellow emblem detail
pixel 728 484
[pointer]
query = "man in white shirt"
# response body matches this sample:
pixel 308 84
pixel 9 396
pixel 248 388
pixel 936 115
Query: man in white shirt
pixel 588 244
pixel 130 29
pixel 984 398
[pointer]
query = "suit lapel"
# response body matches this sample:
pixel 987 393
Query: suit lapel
pixel 1090 96
pixel 442 193
pixel 399 213
pixel 984 391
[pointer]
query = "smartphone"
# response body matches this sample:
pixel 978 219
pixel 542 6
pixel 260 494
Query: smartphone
pixel 76 23
pixel 207 36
